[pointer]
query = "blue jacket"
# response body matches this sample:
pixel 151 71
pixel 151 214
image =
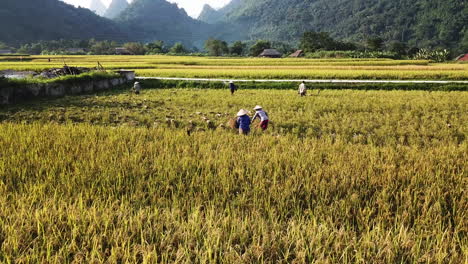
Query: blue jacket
pixel 244 122
pixel 232 87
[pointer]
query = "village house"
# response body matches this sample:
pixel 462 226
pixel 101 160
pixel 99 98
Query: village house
pixel 75 50
pixel 270 53
pixel 122 51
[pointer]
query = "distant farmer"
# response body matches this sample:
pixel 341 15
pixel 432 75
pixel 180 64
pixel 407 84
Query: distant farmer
pixel 263 116
pixel 302 89
pixel 232 87
pixel 243 122
pixel 136 88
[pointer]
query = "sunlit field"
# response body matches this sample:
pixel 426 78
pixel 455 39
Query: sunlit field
pixel 253 68
pixel 342 176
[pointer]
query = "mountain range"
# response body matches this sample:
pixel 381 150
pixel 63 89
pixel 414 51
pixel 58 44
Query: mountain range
pixel 30 21
pixel 421 23
pixel 424 23
pixel 150 20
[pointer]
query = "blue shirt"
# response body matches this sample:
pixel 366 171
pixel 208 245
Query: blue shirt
pixel 244 122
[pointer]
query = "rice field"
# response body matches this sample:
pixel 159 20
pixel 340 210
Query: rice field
pixel 253 68
pixel 342 176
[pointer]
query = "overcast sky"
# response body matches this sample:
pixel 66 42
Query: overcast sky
pixel 193 7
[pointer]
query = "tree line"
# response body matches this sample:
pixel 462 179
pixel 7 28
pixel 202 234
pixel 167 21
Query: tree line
pixel 313 44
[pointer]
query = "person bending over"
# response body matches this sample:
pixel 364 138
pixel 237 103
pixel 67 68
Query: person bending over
pixel 243 122
pixel 263 116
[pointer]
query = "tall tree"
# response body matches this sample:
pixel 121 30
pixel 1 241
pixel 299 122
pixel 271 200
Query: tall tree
pixel 216 47
pixel 238 48
pixel 156 47
pixel 178 48
pixel 259 47
pixel 135 48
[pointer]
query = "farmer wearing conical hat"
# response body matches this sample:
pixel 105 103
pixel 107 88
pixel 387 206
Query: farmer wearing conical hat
pixel 263 116
pixel 243 122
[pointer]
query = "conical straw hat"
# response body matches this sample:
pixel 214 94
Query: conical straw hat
pixel 242 112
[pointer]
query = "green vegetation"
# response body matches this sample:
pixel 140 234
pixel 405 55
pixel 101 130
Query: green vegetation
pixel 30 21
pixel 216 47
pixel 313 41
pixel 432 24
pixel 421 23
pixel 259 47
pixel 341 177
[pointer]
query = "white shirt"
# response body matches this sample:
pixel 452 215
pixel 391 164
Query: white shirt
pixel 302 88
pixel 137 87
pixel 262 114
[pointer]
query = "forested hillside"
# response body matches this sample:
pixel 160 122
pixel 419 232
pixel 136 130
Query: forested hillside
pixel 160 20
pixel 423 23
pixel 27 21
pixel 211 16
pixel 418 23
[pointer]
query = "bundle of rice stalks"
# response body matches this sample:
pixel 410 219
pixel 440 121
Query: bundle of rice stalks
pixel 232 123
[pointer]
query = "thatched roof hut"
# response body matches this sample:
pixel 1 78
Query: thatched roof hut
pixel 270 53
pixel 297 54
pixel 122 51
pixel 75 50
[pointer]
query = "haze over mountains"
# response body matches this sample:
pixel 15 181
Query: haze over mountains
pixel 422 23
pixel 115 8
pixel 98 7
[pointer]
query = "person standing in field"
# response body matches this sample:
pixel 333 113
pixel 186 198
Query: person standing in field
pixel 263 116
pixel 243 122
pixel 302 89
pixel 232 87
pixel 136 88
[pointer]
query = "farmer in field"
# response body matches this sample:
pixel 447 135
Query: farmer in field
pixel 263 116
pixel 232 87
pixel 136 88
pixel 302 89
pixel 243 122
